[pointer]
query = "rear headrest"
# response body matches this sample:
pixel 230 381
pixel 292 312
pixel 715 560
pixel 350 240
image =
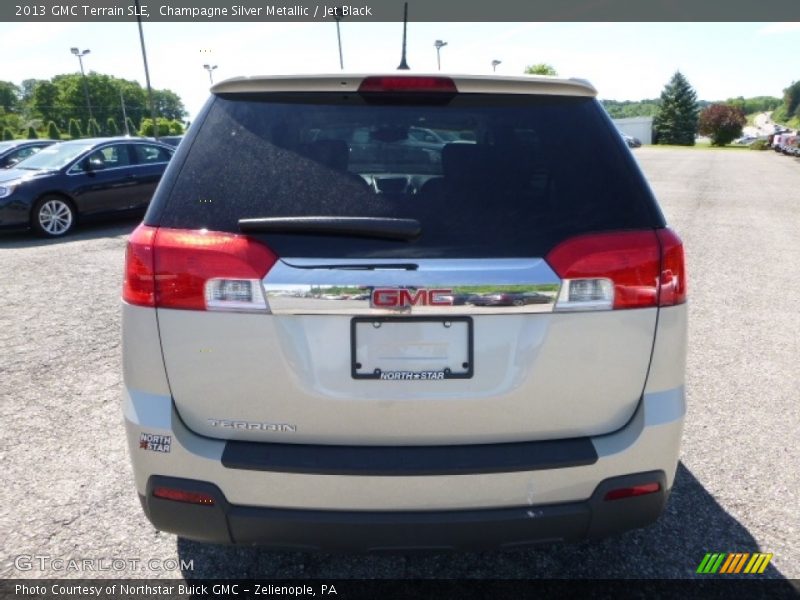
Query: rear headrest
pixel 334 154
pixel 463 162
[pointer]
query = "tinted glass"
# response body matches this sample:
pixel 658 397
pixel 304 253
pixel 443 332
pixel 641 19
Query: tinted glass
pixel 486 175
pixel 150 154
pixel 54 157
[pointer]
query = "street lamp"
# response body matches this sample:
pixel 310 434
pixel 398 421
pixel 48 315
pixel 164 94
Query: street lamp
pixel 439 44
pixel 80 54
pixel 150 101
pixel 210 69
pixel 495 62
pixel 337 16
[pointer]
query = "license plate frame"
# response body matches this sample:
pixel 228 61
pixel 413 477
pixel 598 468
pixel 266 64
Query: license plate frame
pixel 446 373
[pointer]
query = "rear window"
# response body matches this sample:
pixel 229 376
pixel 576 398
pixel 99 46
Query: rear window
pixel 485 175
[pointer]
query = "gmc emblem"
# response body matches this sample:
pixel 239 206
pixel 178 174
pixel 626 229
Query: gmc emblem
pixel 402 297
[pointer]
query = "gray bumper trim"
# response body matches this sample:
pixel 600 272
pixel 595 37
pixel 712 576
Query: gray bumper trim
pixel 404 530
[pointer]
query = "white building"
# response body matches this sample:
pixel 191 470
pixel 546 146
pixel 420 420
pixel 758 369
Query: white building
pixel 638 127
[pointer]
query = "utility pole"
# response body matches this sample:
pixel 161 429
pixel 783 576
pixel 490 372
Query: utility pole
pixel 495 62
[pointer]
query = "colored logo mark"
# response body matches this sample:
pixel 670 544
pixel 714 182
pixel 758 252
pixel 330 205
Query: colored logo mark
pixel 736 562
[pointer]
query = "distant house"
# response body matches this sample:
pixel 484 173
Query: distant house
pixel 638 127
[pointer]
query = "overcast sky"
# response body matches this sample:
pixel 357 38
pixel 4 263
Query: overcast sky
pixel 625 61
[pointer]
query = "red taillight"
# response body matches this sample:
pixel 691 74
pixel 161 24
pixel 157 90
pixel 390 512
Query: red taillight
pixel 673 269
pixel 183 496
pixel 170 268
pixel 443 85
pixel 634 490
pixel 630 260
pixel 637 265
pixel 139 285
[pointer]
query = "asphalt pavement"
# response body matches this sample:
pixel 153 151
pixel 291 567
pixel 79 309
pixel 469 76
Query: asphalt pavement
pixel 68 493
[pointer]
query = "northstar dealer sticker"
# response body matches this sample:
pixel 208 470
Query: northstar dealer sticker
pixel 155 442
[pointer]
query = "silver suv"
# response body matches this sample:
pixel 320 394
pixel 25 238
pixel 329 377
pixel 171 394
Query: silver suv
pixel 335 338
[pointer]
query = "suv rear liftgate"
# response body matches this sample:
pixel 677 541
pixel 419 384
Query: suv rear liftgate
pixel 336 296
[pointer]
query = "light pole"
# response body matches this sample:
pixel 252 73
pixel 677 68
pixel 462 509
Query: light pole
pixel 210 69
pixel 80 54
pixel 338 17
pixel 124 113
pixel 439 44
pixel 146 71
pixel 403 66
pixel 495 62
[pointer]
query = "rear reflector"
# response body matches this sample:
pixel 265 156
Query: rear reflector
pixel 635 490
pixel 628 269
pixel 443 85
pixel 183 496
pixel 195 270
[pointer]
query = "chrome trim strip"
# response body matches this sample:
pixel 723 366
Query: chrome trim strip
pixel 473 286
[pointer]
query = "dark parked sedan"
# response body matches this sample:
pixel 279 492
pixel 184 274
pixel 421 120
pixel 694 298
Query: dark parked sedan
pixel 83 178
pixel 14 151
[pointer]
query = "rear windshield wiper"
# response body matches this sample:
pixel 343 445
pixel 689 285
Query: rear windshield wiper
pixel 370 227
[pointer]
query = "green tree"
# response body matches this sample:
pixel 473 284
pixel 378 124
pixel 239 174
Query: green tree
pixel 44 102
pixel 722 122
pixel 168 105
pixel 74 129
pixel 175 127
pixel 755 104
pixel 7 134
pixel 541 69
pixel 791 99
pixel 146 128
pixel 676 120
pixel 111 126
pixel 32 134
pixel 52 131
pixel 629 108
pixel 9 96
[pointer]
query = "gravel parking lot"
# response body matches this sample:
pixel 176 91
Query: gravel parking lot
pixel 68 492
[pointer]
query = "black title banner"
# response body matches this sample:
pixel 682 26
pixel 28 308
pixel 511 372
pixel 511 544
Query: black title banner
pixel 392 10
pixel 354 589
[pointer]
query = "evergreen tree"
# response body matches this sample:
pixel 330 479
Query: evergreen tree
pixel 74 129
pixel 132 128
pixel 111 126
pixel 92 128
pixel 53 132
pixel 676 120
pixel 32 134
pixel 7 134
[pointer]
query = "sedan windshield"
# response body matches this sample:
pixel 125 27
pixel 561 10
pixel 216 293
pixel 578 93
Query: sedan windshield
pixel 53 157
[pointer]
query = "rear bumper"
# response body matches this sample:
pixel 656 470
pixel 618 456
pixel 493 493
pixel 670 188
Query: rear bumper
pixel 373 511
pixel 375 531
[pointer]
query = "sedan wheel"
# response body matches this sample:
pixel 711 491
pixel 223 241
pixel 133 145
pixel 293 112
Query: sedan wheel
pixel 53 217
